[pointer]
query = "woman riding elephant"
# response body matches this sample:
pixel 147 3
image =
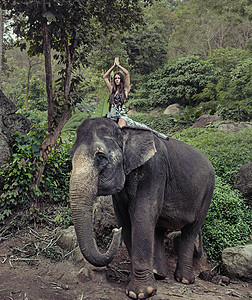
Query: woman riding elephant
pixel 118 94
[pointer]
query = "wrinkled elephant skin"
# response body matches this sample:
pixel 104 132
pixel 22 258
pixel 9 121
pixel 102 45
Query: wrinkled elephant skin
pixel 156 184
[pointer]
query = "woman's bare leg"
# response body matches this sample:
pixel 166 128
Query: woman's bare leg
pixel 122 122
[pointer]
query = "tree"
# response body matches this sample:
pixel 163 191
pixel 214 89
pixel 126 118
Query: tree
pixel 147 44
pixel 69 28
pixel 202 26
pixel 15 75
pixel 1 45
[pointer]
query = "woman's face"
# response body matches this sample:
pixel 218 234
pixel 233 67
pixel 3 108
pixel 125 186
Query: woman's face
pixel 117 79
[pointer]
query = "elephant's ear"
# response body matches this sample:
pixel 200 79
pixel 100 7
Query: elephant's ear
pixel 138 148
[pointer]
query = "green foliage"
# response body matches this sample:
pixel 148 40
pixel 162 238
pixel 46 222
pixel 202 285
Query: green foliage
pixel 239 82
pixel 146 45
pixel 201 26
pixel 102 108
pixel 161 123
pixel 55 182
pixel 19 172
pixel 72 124
pixel 231 96
pixel 228 222
pixel 34 115
pixel 15 71
pixel 176 82
pixel 106 49
pixel 37 94
pixel 187 116
pixel 226 151
pixel 227 58
pixel 239 111
pixel 168 123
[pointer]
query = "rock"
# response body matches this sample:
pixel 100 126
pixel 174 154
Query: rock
pixel 132 110
pixel 83 274
pixel 203 120
pixel 155 112
pixel 66 238
pixel 230 126
pixel 92 273
pixel 67 241
pixel 173 109
pixel 243 181
pixel 237 261
pixel 104 222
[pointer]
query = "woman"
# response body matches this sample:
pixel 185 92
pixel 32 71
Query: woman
pixel 118 94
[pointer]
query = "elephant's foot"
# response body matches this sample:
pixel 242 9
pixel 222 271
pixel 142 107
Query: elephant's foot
pixel 159 275
pixel 160 270
pixel 159 258
pixel 186 277
pixel 141 290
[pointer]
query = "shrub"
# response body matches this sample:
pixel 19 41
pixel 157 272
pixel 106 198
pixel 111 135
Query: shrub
pixel 228 222
pixel 54 185
pixel 227 58
pixel 176 82
pixel 18 174
pixel 239 111
pixel 169 123
pixel 72 124
pixel 161 123
pixel 232 94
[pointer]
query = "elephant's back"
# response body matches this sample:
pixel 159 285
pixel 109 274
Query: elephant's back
pixel 186 154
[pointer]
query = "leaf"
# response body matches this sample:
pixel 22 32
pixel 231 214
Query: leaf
pixel 102 108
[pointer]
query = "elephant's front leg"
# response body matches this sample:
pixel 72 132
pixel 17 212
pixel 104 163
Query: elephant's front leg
pixel 142 284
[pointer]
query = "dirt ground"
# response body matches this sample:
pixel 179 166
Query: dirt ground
pixel 28 272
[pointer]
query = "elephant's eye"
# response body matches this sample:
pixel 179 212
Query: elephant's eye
pixel 100 160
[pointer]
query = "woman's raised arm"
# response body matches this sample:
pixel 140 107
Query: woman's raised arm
pixel 127 80
pixel 106 78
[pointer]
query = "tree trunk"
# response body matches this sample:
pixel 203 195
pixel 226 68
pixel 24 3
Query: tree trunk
pixel 48 70
pixel 1 45
pixel 28 86
pixel 53 133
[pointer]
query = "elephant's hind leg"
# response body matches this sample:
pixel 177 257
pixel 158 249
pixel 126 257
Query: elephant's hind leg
pixel 159 259
pixel 184 269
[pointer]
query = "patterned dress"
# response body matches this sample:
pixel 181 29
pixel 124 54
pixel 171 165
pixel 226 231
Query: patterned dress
pixel 117 111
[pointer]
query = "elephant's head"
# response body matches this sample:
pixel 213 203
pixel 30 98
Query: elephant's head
pixel 102 156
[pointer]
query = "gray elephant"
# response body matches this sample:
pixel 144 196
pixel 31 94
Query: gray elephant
pixel 156 184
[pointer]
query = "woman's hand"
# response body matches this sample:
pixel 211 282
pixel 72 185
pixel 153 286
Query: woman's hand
pixel 116 63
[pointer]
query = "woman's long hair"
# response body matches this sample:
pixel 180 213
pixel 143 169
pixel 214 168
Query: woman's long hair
pixel 121 89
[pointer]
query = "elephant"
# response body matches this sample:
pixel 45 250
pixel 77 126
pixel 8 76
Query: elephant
pixel 156 184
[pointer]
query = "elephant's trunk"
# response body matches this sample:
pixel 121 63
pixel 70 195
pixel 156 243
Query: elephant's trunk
pixel 83 192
